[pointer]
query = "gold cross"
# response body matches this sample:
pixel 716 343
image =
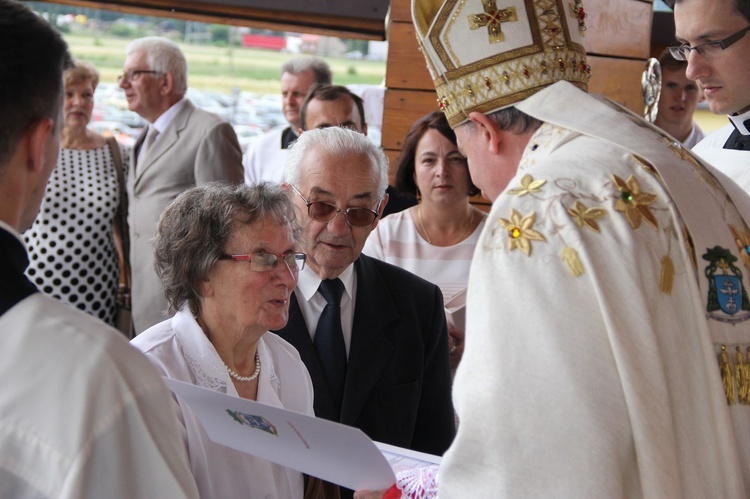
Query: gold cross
pixel 492 17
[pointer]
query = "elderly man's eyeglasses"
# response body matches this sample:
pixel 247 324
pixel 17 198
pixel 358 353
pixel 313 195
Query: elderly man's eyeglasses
pixel 708 49
pixel 264 262
pixel 325 212
pixel 134 74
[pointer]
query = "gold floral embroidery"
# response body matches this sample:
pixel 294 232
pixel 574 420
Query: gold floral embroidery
pixel 520 232
pixel 634 203
pixel 586 216
pixel 528 186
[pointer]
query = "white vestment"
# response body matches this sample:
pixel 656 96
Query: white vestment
pixel 179 348
pixel 732 162
pixel 82 414
pixel 265 159
pixel 591 365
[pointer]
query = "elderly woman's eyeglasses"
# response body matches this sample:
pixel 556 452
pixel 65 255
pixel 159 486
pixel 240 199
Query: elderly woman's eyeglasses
pixel 325 212
pixel 708 49
pixel 134 74
pixel 264 262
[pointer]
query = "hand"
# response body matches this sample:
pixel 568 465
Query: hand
pixel 455 345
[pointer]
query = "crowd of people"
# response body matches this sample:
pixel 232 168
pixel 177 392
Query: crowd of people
pixel 606 344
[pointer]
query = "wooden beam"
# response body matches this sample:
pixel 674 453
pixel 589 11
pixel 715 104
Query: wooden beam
pixel 300 22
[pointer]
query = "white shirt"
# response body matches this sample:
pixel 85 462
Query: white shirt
pixel 732 162
pixel 265 159
pixel 82 415
pixel 695 136
pixel 397 241
pixel 163 121
pixel 180 350
pixel 312 303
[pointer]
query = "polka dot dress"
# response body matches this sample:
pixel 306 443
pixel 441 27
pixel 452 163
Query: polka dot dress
pixel 71 246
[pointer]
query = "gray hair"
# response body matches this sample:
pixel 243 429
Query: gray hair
pixel 165 56
pixel 319 67
pixel 195 227
pixel 510 119
pixel 336 141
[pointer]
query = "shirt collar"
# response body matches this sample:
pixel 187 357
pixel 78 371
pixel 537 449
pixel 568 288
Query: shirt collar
pixel 167 116
pixel 741 122
pixel 309 282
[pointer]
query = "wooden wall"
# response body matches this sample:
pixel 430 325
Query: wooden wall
pixel 617 40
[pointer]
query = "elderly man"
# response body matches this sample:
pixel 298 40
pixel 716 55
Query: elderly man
pixel 336 105
pixel 182 147
pixel 82 414
pixel 715 44
pixel 373 336
pixel 608 289
pixel 678 101
pixel 265 158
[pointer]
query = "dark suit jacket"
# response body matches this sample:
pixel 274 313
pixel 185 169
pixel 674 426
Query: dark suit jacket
pixel 398 379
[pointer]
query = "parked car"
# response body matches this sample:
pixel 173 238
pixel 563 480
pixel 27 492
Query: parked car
pixel 124 134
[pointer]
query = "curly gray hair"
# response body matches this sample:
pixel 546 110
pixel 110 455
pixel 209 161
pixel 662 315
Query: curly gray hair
pixel 194 228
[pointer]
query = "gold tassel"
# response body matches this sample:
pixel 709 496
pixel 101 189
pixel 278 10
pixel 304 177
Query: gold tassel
pixel 741 373
pixel 570 257
pixel 727 377
pixel 666 279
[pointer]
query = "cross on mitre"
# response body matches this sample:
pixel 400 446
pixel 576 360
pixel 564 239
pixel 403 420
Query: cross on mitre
pixel 492 18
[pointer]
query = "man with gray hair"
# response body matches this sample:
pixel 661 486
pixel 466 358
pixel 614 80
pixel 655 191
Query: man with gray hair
pixel 265 158
pixel 181 147
pixel 82 414
pixel 373 336
pixel 607 332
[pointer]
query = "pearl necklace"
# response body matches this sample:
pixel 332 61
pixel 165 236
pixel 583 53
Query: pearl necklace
pixel 427 235
pixel 238 377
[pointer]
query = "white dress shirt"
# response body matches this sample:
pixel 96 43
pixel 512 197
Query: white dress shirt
pixel 312 303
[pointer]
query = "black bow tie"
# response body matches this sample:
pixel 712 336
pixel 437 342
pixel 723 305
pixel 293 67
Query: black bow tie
pixel 739 141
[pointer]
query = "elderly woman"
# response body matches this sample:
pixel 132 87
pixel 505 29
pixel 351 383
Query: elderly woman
pixel 227 257
pixel 434 239
pixel 72 243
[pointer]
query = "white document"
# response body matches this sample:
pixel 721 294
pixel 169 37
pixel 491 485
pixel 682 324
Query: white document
pixel 404 459
pixel 455 310
pixel 331 451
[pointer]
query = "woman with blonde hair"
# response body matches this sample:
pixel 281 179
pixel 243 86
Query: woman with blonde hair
pixel 71 244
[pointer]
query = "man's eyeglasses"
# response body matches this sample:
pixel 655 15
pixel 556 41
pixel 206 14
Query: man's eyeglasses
pixel 264 262
pixel 708 49
pixel 134 74
pixel 325 212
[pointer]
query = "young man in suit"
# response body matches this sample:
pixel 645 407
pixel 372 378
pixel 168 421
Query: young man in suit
pixel 381 363
pixel 715 40
pixel 336 105
pixel 82 414
pixel 180 148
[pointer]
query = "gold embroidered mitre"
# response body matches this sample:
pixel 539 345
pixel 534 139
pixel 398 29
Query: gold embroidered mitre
pixel 485 55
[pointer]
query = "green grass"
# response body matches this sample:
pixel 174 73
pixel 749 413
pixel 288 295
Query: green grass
pixel 222 68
